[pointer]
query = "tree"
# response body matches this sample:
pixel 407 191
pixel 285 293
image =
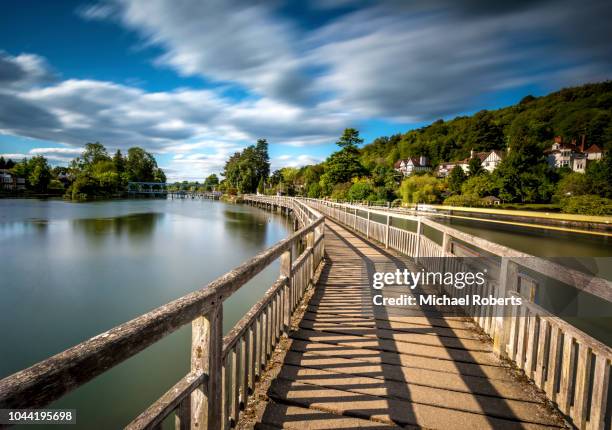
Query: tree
pixel 475 166
pixel 456 179
pixel 361 189
pixel 141 166
pixel 2 163
pixel 350 139
pixel 36 171
pixel 479 186
pixel 39 174
pixel 573 184
pixel 119 162
pixel 94 153
pixel 421 189
pixel 211 182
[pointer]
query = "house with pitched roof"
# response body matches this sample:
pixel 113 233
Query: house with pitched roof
pixel 412 165
pixel 489 161
pixel 571 155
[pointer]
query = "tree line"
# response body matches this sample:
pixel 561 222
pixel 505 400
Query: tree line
pixel 356 172
pixel 94 174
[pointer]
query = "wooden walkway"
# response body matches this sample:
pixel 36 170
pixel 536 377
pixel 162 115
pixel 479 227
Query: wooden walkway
pixel 355 365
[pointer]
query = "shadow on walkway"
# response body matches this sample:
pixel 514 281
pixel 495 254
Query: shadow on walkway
pixel 352 364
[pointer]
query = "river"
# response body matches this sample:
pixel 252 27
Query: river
pixel 69 271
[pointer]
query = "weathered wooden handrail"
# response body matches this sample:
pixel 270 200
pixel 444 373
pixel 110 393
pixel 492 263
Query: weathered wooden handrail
pixel 195 398
pixel 570 366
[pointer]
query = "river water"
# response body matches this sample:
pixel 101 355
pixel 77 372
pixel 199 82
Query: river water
pixel 69 271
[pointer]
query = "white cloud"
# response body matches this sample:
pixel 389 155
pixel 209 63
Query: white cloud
pixel 294 161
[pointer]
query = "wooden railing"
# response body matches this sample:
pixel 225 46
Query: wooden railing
pixel 570 366
pixel 223 369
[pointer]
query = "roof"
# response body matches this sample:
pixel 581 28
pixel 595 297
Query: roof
pixel 491 199
pixel 414 160
pixel 594 149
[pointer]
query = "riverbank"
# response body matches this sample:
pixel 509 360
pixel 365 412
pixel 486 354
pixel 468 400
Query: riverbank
pixel 525 218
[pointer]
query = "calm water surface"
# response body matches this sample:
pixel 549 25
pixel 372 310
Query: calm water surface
pixel 69 271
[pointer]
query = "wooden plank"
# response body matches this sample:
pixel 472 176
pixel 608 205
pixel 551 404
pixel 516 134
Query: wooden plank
pixel 173 398
pixel 554 358
pixel 599 401
pixel 567 376
pixel 583 374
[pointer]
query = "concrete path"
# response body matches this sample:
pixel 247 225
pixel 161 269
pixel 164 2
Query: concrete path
pixel 355 365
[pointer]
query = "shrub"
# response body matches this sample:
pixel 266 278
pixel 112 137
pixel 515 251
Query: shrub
pixel 470 200
pixel 587 205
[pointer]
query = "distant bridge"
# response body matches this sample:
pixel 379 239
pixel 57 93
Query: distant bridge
pixel 147 188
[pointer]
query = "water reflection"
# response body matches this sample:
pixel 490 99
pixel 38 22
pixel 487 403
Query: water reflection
pixel 97 265
pixel 252 224
pixel 137 226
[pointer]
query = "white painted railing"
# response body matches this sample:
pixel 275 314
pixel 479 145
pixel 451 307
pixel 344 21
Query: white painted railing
pixel 570 366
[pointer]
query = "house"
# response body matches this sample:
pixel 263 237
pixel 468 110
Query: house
pixel 10 182
pixel 490 200
pixel 444 169
pixel 488 159
pixel 571 155
pixel 412 165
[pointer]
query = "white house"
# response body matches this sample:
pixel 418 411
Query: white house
pixel 489 161
pixel 563 154
pixel 412 165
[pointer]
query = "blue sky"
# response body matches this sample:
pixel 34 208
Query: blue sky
pixel 193 81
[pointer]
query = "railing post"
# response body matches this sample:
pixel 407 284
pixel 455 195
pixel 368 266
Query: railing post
pixel 206 353
pixel 419 231
pixel 368 226
pixel 445 244
pixel 285 270
pixel 387 231
pixel 508 280
pixel 310 244
pixel 355 220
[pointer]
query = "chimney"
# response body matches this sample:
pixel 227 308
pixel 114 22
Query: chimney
pixel 423 160
pixel 558 139
pixel 472 153
pixel 582 143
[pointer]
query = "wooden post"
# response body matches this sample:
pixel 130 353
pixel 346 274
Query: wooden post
pixel 508 280
pixel 387 231
pixel 310 245
pixel 285 270
pixel 355 220
pixel 368 226
pixel 419 231
pixel 445 244
pixel 206 350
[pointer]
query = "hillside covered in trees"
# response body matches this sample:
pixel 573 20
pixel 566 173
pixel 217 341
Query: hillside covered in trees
pixel 570 113
pixel 522 132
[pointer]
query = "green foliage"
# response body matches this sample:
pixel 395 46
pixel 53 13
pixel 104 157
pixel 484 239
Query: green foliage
pixel 480 186
pixel 570 113
pixel 211 182
pixel 361 189
pixel 314 190
pixel 35 171
pixel 456 178
pixel 340 191
pixel 573 184
pixel 421 189
pixel 475 167
pixel 350 139
pixel 245 169
pixel 587 205
pixel 469 200
pixel 97 175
